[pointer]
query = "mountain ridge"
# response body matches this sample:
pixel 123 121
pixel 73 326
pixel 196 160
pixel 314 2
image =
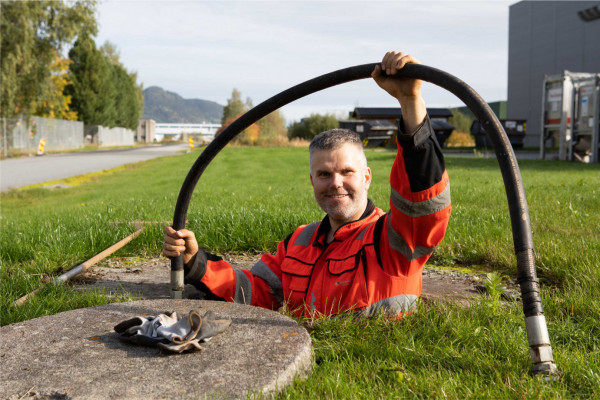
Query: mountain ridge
pixel 164 106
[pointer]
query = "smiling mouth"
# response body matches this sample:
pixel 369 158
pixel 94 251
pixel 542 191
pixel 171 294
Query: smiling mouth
pixel 337 196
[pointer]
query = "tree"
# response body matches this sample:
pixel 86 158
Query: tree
pixel 58 104
pixel 268 130
pixel 460 121
pixel 111 52
pixel 248 136
pixel 234 107
pixel 311 126
pixel 33 34
pixel 129 99
pixel 92 89
pixel 272 129
pixel 128 108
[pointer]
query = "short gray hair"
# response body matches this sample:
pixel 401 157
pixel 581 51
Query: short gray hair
pixel 334 139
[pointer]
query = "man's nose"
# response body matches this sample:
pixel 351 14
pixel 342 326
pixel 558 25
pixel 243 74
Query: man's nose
pixel 337 180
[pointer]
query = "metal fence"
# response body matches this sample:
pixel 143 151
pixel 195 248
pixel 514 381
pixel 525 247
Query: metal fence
pixel 23 135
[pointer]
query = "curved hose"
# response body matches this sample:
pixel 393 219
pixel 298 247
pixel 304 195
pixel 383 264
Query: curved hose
pixel 541 352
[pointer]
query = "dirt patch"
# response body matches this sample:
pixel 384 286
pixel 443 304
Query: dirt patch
pixel 150 279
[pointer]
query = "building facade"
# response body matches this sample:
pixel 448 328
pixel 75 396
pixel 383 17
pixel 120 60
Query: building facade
pixel 546 38
pixel 146 131
pixel 179 131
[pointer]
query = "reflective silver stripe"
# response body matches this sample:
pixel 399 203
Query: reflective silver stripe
pixel 392 305
pixel 243 288
pixel 262 270
pixel 397 243
pixel 303 238
pixel 421 208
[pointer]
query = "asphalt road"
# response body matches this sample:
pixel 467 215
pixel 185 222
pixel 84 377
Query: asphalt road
pixel 26 171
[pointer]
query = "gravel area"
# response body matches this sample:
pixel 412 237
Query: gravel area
pixel 150 279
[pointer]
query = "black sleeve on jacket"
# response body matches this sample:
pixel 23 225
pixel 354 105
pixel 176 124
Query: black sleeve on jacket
pixel 196 270
pixel 423 156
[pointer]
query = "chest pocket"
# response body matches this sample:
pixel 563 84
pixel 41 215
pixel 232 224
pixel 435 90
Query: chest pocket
pixel 345 287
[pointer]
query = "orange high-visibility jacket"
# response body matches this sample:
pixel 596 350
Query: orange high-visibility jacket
pixel 373 264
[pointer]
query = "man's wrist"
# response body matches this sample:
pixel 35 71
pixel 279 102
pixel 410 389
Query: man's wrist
pixel 413 112
pixel 188 265
pixel 196 267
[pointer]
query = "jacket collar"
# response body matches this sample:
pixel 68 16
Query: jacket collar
pixel 325 225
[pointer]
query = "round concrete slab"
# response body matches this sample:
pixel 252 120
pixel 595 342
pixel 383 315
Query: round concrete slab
pixel 77 354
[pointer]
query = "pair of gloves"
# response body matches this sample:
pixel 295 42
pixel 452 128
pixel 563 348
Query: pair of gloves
pixel 169 332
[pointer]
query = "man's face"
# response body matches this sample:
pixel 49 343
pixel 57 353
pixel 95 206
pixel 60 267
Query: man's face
pixel 340 180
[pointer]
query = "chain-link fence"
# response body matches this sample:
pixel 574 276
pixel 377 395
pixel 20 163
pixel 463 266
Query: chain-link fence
pixel 23 135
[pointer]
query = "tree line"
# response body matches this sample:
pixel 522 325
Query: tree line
pixel 271 129
pixel 91 85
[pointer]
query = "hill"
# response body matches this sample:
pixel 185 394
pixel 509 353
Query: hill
pixel 164 106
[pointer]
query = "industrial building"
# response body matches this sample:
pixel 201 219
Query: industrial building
pixel 178 131
pixel 545 39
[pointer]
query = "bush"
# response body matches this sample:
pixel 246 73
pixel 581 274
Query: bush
pixel 461 122
pixel 311 126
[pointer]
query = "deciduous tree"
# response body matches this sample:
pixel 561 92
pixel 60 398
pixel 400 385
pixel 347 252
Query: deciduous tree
pixel 272 129
pixel 33 34
pixel 311 126
pixel 248 136
pixel 58 103
pixel 268 130
pixel 234 107
pixel 460 121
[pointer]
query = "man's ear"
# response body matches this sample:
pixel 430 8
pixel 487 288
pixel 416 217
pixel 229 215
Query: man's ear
pixel 368 177
pixel 311 181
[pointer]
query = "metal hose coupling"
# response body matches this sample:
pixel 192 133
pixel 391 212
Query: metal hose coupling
pixel 539 346
pixel 540 349
pixel 177 284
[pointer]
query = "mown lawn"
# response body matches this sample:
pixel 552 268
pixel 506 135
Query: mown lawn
pixel 250 198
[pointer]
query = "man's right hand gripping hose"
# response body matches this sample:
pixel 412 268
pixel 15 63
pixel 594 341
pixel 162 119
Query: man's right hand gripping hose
pixel 168 332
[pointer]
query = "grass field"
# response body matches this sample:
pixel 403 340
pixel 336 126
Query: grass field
pixel 250 198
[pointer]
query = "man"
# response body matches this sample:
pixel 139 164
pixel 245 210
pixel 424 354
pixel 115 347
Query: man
pixel 358 258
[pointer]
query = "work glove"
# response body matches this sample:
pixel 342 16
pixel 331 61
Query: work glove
pixel 169 332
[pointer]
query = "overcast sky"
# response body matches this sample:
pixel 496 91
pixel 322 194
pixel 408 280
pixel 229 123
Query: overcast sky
pixel 202 49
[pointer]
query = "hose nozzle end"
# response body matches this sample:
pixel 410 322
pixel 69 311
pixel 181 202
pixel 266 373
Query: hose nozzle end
pixel 547 369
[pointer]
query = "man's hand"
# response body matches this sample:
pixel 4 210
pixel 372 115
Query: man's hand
pixel 177 242
pixel 406 91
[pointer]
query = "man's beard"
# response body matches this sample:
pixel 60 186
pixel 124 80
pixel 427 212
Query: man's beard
pixel 344 211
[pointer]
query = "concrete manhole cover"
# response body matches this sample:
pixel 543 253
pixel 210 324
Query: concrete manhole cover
pixel 77 355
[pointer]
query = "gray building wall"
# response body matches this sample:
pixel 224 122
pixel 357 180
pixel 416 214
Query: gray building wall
pixel 105 137
pixel 115 136
pixel 545 38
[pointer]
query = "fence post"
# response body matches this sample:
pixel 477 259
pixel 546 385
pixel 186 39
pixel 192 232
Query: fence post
pixel 4 139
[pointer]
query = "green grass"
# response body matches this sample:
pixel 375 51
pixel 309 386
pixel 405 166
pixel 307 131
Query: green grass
pixel 250 198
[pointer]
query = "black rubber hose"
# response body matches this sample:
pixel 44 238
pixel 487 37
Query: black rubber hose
pixel 519 213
